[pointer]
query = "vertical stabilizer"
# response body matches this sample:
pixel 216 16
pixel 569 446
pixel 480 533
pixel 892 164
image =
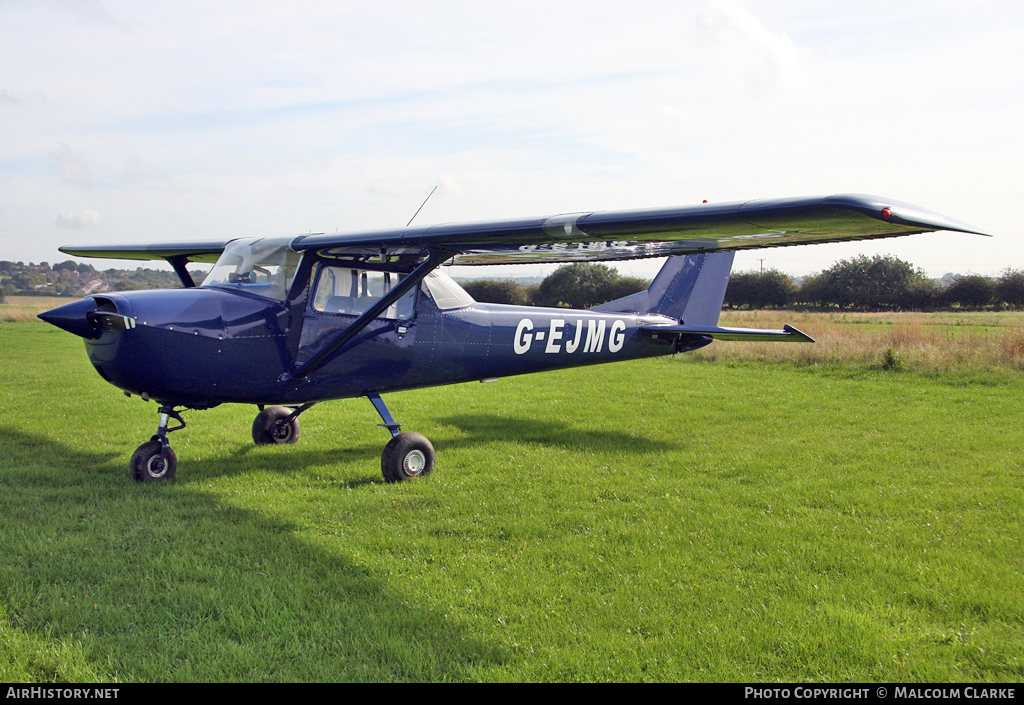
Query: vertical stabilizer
pixel 690 288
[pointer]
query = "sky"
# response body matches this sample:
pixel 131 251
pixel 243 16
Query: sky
pixel 129 122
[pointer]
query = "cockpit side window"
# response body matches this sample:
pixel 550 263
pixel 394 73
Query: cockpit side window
pixel 350 291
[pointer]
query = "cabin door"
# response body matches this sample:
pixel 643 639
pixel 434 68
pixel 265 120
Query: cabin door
pixel 380 352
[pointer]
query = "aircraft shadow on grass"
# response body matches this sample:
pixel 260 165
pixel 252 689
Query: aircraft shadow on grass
pixel 489 428
pixel 479 430
pixel 285 460
pixel 101 556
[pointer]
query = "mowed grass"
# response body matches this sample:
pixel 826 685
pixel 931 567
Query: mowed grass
pixel 670 519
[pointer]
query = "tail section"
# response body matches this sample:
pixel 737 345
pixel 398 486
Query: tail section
pixel 689 288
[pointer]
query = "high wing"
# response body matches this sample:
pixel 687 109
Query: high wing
pixel 188 251
pixel 606 235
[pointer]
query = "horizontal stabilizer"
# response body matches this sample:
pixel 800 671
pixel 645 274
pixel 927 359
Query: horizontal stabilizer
pixel 788 334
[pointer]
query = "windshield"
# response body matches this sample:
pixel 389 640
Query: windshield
pixel 264 266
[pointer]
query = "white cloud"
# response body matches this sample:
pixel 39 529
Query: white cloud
pixel 87 9
pixel 311 164
pixel 7 97
pixel 445 186
pixel 383 188
pixel 448 187
pixel 76 221
pixel 70 168
pixel 766 59
pixel 139 171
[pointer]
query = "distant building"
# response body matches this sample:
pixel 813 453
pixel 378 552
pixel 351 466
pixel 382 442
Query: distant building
pixel 93 286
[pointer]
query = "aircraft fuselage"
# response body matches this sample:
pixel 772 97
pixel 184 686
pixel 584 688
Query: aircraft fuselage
pixel 200 347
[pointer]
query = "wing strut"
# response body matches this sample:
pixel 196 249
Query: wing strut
pixel 184 275
pixel 415 277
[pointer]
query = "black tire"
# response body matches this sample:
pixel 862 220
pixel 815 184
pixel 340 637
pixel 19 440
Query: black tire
pixel 271 427
pixel 407 455
pixel 148 466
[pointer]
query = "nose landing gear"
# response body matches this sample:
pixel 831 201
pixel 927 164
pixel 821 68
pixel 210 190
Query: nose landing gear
pixel 155 459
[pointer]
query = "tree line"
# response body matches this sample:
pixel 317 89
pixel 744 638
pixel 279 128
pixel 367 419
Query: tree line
pixel 577 285
pixel 878 283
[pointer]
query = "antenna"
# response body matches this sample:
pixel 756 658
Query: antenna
pixel 421 207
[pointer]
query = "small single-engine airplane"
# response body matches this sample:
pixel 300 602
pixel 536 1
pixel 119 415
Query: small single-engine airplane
pixel 285 323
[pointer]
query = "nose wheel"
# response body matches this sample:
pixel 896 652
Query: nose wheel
pixel 149 463
pixel 155 459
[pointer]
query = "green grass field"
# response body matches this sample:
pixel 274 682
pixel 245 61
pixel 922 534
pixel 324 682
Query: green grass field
pixel 673 519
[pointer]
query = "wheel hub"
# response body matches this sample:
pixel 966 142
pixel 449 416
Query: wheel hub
pixel 156 467
pixel 414 462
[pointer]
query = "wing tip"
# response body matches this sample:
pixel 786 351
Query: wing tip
pixel 903 213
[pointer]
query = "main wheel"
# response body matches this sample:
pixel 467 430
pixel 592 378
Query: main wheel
pixel 407 455
pixel 272 426
pixel 147 465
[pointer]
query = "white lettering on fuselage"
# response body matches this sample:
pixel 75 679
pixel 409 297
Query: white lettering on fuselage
pixel 595 335
pixel 570 346
pixel 617 336
pixel 556 338
pixel 523 339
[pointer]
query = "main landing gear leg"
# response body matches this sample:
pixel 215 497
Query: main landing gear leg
pixel 407 454
pixel 155 459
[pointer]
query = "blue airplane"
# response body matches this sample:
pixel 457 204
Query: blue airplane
pixel 287 322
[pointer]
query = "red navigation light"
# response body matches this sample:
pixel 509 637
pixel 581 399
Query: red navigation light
pixel 886 213
pixel 705 200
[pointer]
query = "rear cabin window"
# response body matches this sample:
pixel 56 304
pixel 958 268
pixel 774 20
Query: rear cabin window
pixel 351 292
pixel 446 292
